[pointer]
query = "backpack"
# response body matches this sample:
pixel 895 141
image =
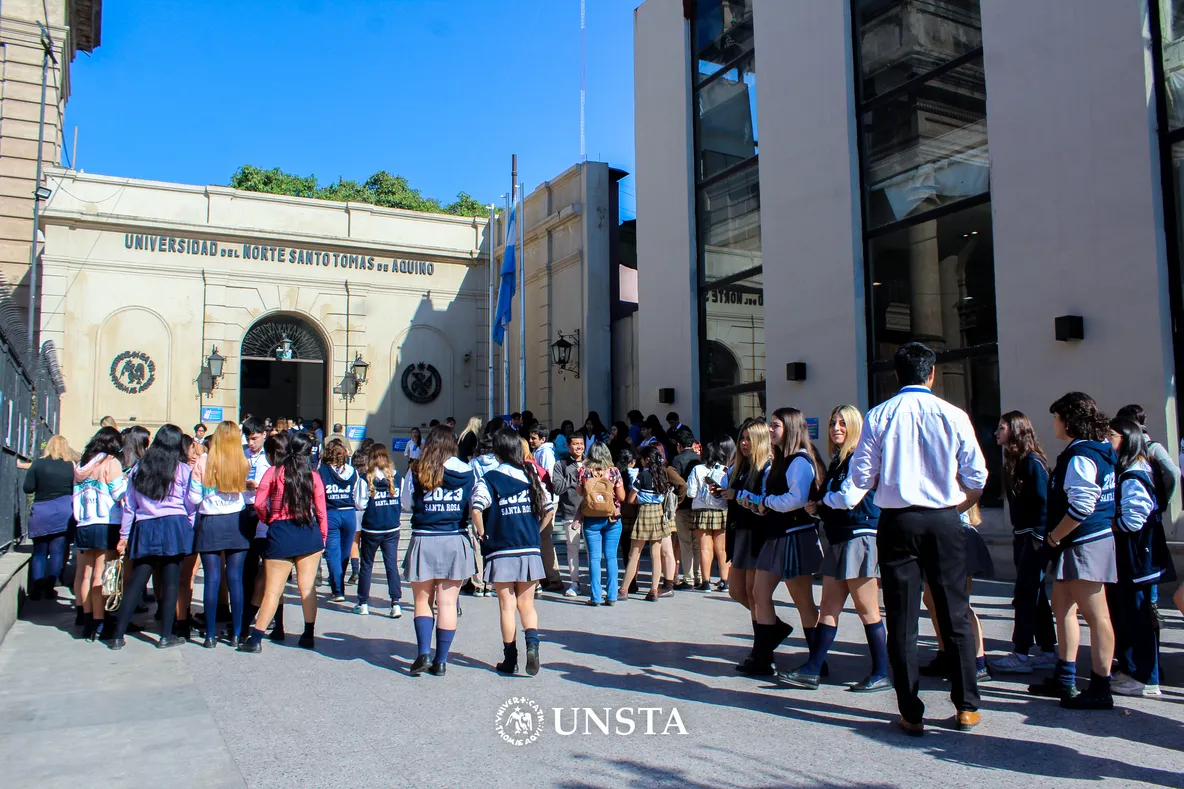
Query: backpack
pixel 599 501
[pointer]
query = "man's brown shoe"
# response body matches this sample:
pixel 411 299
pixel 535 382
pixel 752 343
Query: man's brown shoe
pixel 912 729
pixel 965 721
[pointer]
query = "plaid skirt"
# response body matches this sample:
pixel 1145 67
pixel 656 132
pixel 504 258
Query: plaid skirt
pixel 651 524
pixel 710 520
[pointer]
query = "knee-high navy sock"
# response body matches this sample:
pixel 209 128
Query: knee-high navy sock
pixel 877 644
pixel 234 582
pixel 532 637
pixel 353 566
pixel 821 637
pixel 423 634
pixel 443 643
pixel 808 633
pixel 1065 672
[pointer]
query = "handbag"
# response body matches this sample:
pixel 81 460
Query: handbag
pixel 113 584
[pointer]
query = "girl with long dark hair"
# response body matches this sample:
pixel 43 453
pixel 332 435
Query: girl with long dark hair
pixel 791 552
pixel 509 508
pixel 1025 481
pixel 594 430
pixel 651 527
pixel 710 511
pixel 851 565
pixel 291 501
pixel 1143 560
pixel 135 443
pixel 653 433
pixel 99 490
pixel 1080 520
pixel 158 504
pixel 342 485
pixel 222 534
pixel 439 556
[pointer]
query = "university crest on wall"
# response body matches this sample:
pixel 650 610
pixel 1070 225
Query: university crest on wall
pixel 133 372
pixel 421 382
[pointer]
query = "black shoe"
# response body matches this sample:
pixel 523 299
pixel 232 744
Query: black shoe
pixel 938 667
pixel 532 660
pixel 591 602
pixel 871 684
pixel 307 641
pixel 421 664
pixel 1090 700
pixel 168 642
pixel 683 586
pixel 247 645
pixel 651 597
pixel 607 602
pixel 634 588
pixel 49 592
pixel 982 675
pixel 509 664
pixel 782 630
pixel 115 644
pixel 80 617
pixel 183 630
pixel 796 679
pixel 1052 689
pixel 89 628
pixel 755 669
pixel 438 669
pixel 209 643
pixel 277 635
pixel 703 587
pixel 98 630
pixel 353 579
pixel 722 586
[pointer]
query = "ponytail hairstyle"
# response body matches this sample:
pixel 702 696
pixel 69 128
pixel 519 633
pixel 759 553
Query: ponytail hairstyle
pixel 624 458
pixel 1081 417
pixel 439 447
pixel 1132 444
pixel 379 460
pixel 507 446
pixel 650 457
pixel 276 447
pixel 1021 442
pixel 797 439
pixel 298 484
pixel 158 468
pixel 105 442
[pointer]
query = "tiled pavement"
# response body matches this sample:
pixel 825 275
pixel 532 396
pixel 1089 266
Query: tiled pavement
pixel 73 714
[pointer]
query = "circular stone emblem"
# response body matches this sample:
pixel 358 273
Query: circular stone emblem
pixel 133 372
pixel 421 383
pixel 519 721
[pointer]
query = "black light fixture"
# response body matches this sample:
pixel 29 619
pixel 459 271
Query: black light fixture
pixel 283 351
pixel 354 377
pixel 565 353
pixel 1069 327
pixel 211 372
pixel 42 193
pixel 795 371
pixel 215 362
pixel 359 367
pixel 666 396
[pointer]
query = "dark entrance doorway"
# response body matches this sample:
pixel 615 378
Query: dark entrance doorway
pixel 283 370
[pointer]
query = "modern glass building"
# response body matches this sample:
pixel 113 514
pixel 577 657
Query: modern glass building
pixel 934 170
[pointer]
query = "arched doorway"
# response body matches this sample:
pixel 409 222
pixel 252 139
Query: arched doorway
pixel 284 373
pixel 718 414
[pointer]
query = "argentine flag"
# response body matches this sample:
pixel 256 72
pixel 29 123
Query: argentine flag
pixel 505 294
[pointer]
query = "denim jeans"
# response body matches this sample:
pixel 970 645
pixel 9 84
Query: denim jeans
pixel 603 538
pixel 388 543
pixel 49 554
pixel 1033 614
pixel 339 543
pixel 1136 630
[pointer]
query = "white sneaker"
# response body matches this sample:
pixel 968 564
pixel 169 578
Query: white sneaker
pixel 572 591
pixel 362 609
pixel 1013 663
pixel 396 611
pixel 1132 687
pixel 1041 659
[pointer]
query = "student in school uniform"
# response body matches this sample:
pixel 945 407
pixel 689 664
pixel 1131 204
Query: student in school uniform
pixel 1143 560
pixel 439 555
pixel 649 492
pixel 99 490
pixel 851 565
pixel 255 433
pixel 709 512
pixel 754 453
pixel 342 485
pixel 158 504
pixel 791 552
pixel 1025 480
pixel 291 502
pixel 378 498
pixel 1081 520
pixel 922 457
pixel 222 533
pixel 509 508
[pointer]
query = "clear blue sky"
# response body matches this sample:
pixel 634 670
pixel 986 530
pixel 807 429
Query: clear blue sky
pixel 439 91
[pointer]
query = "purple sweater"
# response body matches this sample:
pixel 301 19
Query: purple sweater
pixel 176 502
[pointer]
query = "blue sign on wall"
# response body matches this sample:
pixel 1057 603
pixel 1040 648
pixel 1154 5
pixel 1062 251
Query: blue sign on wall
pixel 211 414
pixel 812 426
pixel 355 432
pixel 399 444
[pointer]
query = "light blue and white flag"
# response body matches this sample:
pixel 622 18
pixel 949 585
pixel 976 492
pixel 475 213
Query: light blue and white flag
pixel 505 295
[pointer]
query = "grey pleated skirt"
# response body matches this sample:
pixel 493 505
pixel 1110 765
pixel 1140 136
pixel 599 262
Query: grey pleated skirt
pixel 1093 561
pixel 792 556
pixel 978 557
pixel 854 558
pixel 445 557
pixel 518 568
pixel 742 558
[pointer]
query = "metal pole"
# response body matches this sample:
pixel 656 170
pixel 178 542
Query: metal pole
pixel 47 45
pixel 583 79
pixel 491 235
pixel 506 338
pixel 522 302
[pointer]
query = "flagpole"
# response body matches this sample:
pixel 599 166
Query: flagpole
pixel 505 348
pixel 522 300
pixel 491 236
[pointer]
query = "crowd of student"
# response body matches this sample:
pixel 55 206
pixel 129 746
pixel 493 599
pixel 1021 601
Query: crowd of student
pixel 895 499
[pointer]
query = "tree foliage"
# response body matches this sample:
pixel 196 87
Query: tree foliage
pixel 381 189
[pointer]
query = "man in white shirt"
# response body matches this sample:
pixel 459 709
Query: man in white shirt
pixel 544 455
pixel 921 456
